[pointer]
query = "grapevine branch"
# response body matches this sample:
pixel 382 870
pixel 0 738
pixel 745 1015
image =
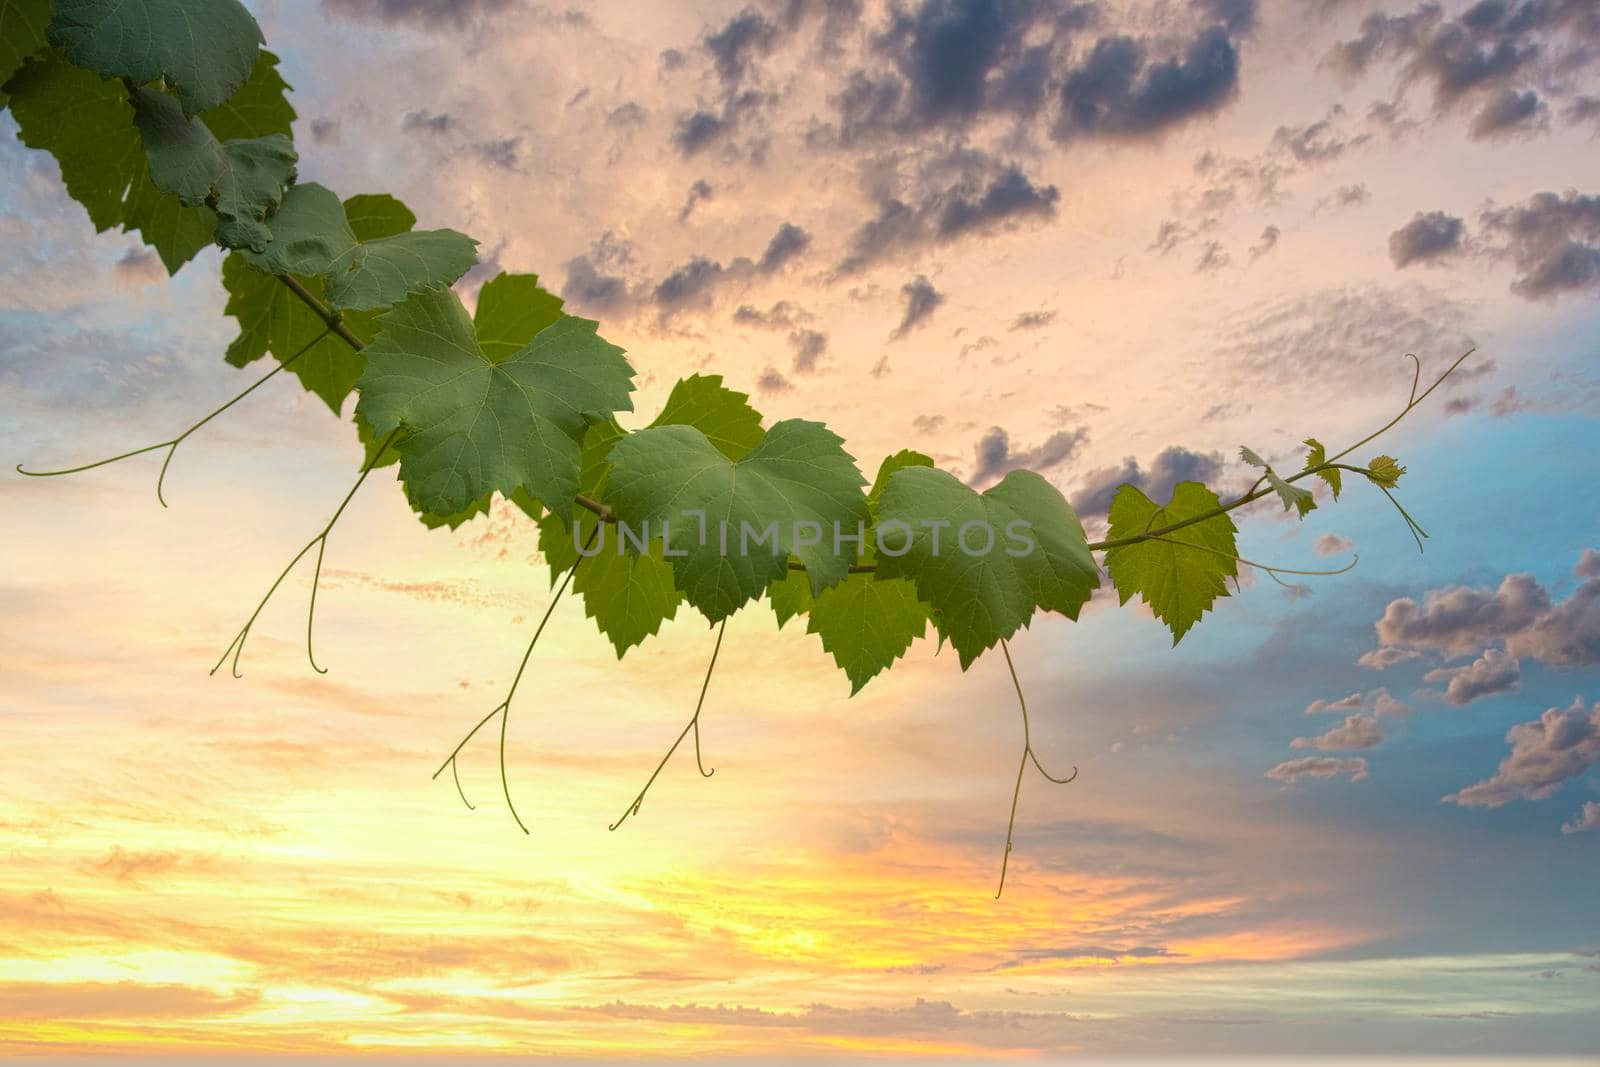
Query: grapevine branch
pixel 503 709
pixel 1027 754
pixel 172 445
pixel 693 725
pixel 320 543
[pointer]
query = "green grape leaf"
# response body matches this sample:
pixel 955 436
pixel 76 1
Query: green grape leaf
pixel 902 459
pixel 241 180
pixel 1178 583
pixel 790 596
pixel 512 309
pixel 312 235
pixel 273 319
pixel 87 123
pixel 722 414
pixel 1385 472
pixel 22 25
pixel 205 49
pixel 1316 455
pixel 1292 495
pixel 867 623
pixel 981 597
pixel 473 426
pixel 758 510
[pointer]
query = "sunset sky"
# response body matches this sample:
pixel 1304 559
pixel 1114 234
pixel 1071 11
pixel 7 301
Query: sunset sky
pixel 1105 241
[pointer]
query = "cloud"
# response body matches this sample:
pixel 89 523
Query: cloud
pixel 1212 258
pixel 1427 238
pixel 1586 821
pixel 1356 732
pixel 809 346
pixel 1317 142
pixel 733 47
pixel 1032 320
pixel 1553 241
pixel 699 193
pixel 994 457
pixel 1509 114
pixel 424 14
pixel 1266 243
pixel 1490 674
pixel 1588 564
pixel 988 196
pixel 1460 620
pixel 594 279
pixel 1118 91
pixel 1385 657
pixel 139 267
pixel 788 243
pixel 427 122
pixel 696 130
pixel 1331 544
pixel 1319 767
pixel 1346 196
pixel 1380 702
pixel 1545 753
pixel 1171 466
pixel 921 300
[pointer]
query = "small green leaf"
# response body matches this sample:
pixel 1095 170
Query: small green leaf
pixel 22 25
pixel 758 510
pixel 867 623
pixel 473 426
pixel 790 596
pixel 1385 471
pixel 273 319
pixel 313 236
pixel 1292 495
pixel 204 49
pixel 980 598
pixel 241 180
pixel 1179 583
pixel 1316 456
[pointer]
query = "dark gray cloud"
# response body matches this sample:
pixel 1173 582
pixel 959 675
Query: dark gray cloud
pixel 629 113
pixel 1584 109
pixel 1319 767
pixel 696 130
pixel 1347 196
pixel 994 457
pixel 790 241
pixel 426 121
pixel 1265 243
pixel 1508 114
pixel 1553 240
pixel 987 196
pixel 1118 91
pixel 1545 754
pixel 1427 238
pixel 1213 257
pixel 921 301
pixel 1358 731
pixel 1171 466
pixel 325 131
pixel 425 14
pixel 1317 142
pixel 594 280
pixel 1033 320
pixel 1489 51
pixel 699 193
pixel 782 314
pixel 772 382
pixel 1490 674
pixel 504 152
pixel 809 347
pixel 740 40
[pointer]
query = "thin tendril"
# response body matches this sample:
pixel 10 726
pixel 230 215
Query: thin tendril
pixel 1259 566
pixel 236 646
pixel 455 772
pixel 694 725
pixel 172 445
pixel 503 709
pixel 1027 754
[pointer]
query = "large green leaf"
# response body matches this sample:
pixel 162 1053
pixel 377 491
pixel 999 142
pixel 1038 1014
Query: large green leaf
pixel 204 49
pixel 1023 550
pixel 241 180
pixel 758 510
pixel 87 123
pixel 1179 583
pixel 473 426
pixel 273 319
pixel 312 236
pixel 628 594
pixel 22 25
